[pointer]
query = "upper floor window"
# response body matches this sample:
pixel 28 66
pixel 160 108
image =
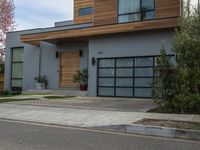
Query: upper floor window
pixel 85 11
pixel 136 10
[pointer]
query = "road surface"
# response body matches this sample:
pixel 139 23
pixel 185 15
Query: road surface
pixel 27 136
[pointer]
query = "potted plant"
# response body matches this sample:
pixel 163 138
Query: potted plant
pixel 82 78
pixel 41 82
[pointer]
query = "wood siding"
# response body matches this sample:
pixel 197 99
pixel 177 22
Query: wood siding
pixel 167 8
pixel 1 81
pixel 105 12
pixel 102 30
pixel 167 14
pixel 82 4
pixel 69 64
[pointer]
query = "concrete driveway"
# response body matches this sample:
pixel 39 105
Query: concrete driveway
pixel 96 103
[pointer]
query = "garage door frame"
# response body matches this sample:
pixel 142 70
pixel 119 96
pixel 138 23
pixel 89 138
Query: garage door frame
pixel 134 77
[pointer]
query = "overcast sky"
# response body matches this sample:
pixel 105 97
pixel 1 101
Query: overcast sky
pixel 43 13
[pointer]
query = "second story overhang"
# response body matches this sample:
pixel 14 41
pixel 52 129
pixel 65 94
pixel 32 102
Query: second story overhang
pixel 82 33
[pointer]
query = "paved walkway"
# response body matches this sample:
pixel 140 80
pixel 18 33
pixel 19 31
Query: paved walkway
pixel 81 117
pixel 96 103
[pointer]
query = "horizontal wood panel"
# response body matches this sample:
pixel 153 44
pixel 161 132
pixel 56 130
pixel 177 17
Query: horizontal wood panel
pixel 69 64
pixel 105 12
pixel 167 8
pixel 82 4
pixel 103 30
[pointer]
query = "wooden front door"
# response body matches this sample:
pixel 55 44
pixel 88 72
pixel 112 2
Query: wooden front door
pixel 69 64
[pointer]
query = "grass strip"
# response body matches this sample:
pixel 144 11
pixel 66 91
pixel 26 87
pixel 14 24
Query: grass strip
pixel 58 97
pixel 14 100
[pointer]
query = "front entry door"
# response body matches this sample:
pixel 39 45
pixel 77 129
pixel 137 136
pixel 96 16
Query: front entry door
pixel 69 64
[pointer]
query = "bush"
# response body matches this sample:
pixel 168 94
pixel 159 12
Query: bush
pixel 187 103
pixel 10 93
pixel 179 88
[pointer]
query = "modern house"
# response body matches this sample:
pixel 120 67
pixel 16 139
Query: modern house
pixel 117 40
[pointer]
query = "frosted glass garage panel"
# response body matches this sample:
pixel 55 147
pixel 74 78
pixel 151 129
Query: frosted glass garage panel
pixel 143 82
pixel 127 92
pixel 107 63
pixel 126 62
pixel 106 91
pixel 124 82
pixel 144 72
pixel 106 72
pixel 106 82
pixel 124 72
pixel 143 92
pixel 142 62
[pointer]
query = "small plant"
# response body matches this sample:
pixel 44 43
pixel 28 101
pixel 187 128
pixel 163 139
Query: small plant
pixel 82 78
pixel 41 79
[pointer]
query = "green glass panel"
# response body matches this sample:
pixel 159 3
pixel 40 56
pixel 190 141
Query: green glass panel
pixel 17 70
pixel 16 83
pixel 18 54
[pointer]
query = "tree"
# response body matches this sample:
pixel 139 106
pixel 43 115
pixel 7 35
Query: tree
pixel 187 48
pixel 184 95
pixel 7 22
pixel 164 83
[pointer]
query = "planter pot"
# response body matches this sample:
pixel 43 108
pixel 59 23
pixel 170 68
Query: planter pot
pixel 40 86
pixel 83 87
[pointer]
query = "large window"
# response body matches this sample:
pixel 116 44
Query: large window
pixel 17 68
pixel 136 10
pixel 126 77
pixel 85 11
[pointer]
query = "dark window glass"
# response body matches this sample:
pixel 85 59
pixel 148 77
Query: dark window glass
pixel 149 15
pixel 85 11
pixel 136 10
pixel 147 5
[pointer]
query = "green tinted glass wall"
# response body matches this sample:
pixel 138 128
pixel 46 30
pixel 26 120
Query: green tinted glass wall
pixel 17 68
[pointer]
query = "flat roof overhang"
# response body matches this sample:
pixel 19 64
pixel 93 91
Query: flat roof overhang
pixel 83 34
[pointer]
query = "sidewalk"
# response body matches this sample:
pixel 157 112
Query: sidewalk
pixel 81 117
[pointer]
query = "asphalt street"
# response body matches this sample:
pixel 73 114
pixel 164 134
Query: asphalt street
pixel 27 136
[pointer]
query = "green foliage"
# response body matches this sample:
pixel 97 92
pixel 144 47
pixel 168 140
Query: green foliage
pixel 1 68
pixel 184 95
pixel 58 97
pixel 164 84
pixel 7 93
pixel 41 79
pixel 81 76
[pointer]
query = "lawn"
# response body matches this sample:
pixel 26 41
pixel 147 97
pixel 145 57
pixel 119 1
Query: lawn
pixel 5 100
pixel 58 97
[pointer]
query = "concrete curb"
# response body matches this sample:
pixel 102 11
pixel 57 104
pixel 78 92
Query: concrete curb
pixel 154 131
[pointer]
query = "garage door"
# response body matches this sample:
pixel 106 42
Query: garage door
pixel 69 64
pixel 126 77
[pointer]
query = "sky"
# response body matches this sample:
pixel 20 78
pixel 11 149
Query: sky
pixel 31 14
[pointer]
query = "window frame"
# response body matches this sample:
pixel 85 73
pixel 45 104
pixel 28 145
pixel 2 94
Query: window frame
pixel 141 12
pixel 84 8
pixel 15 62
